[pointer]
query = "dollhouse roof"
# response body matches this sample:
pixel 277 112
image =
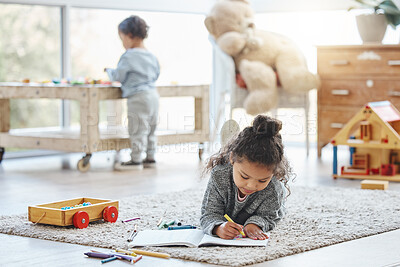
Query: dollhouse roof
pixel 382 114
pixel 385 110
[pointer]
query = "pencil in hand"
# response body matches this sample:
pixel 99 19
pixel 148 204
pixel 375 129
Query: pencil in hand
pixel 230 220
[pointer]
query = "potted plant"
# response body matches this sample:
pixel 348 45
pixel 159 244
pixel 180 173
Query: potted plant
pixel 372 26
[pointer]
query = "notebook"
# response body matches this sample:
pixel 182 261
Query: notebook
pixel 188 238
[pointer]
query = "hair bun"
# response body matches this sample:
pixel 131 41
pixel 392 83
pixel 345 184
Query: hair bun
pixel 267 126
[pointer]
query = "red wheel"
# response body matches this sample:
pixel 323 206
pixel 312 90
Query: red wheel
pixel 81 219
pixel 110 214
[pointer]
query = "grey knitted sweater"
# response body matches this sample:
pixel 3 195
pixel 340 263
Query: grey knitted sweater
pixel 263 208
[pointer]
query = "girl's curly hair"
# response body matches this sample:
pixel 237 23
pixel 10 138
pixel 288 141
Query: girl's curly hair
pixel 260 143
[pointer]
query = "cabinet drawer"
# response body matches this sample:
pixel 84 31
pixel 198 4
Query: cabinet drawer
pixel 332 119
pixel 359 61
pixel 391 93
pixel 357 92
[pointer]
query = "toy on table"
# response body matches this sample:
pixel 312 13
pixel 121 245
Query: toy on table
pixel 73 212
pixel 373 135
pixel 69 81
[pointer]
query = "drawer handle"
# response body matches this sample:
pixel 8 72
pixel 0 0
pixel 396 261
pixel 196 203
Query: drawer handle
pixel 336 125
pixel 393 93
pixel 339 62
pixel 394 62
pixel 340 92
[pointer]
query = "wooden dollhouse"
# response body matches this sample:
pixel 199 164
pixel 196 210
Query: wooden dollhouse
pixel 373 135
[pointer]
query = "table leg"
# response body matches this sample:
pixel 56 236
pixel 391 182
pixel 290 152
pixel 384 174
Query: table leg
pixel 84 114
pixel 4 115
pixel 93 120
pixel 89 104
pixel 198 114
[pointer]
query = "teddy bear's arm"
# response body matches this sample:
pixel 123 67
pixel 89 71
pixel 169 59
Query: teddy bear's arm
pixel 232 43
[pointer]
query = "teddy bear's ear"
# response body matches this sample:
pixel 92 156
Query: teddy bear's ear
pixel 209 22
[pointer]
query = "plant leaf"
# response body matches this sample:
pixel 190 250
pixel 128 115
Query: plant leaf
pixel 368 3
pixel 393 20
pixel 392 12
pixel 389 7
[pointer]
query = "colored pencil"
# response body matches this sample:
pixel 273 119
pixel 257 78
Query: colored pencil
pixel 150 253
pixel 128 220
pixel 127 252
pixel 109 259
pixel 181 227
pixel 229 219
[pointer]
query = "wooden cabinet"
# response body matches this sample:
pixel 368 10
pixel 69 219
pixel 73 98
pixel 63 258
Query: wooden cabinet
pixel 352 76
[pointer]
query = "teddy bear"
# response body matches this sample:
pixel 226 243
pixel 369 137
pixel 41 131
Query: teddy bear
pixel 259 56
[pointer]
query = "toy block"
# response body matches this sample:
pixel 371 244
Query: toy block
pixel 374 184
pixel 388 169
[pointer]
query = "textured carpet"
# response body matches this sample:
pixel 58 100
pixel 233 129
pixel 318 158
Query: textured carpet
pixel 317 217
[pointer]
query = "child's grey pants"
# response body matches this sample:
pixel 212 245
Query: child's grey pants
pixel 142 123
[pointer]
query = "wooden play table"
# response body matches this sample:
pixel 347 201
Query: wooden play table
pixel 90 137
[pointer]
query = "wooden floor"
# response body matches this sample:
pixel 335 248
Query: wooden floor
pixel 50 178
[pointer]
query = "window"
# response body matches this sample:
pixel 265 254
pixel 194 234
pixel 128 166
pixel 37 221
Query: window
pixel 30 49
pixel 179 41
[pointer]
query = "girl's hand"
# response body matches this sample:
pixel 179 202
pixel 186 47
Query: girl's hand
pixel 228 230
pixel 254 232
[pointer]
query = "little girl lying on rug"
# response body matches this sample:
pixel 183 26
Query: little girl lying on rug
pixel 248 180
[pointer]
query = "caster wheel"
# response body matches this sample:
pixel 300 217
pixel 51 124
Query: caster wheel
pixel 110 214
pixel 2 150
pixel 201 150
pixel 81 219
pixel 82 167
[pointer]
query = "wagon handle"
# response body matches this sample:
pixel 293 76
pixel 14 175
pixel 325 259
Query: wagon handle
pixel 40 219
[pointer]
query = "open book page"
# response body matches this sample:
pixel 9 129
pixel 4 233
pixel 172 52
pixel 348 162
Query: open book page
pixel 238 241
pixel 185 237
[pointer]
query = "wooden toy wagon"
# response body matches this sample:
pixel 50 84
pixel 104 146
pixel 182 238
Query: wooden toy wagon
pixel 78 212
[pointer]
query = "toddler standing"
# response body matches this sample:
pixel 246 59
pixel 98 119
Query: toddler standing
pixel 138 70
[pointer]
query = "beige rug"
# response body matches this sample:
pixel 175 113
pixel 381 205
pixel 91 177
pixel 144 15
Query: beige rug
pixel 317 217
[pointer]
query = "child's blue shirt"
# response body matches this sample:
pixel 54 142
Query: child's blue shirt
pixel 137 71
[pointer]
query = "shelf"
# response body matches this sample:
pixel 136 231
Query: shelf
pixel 394 178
